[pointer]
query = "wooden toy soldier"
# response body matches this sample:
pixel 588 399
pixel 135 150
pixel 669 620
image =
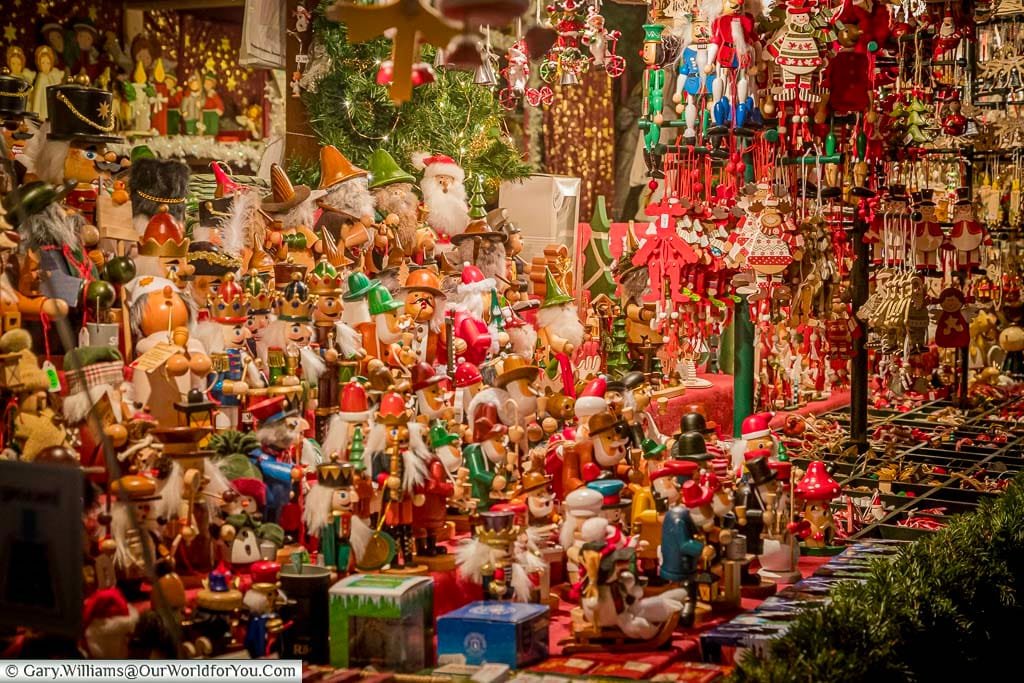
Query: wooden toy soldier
pixel 330 515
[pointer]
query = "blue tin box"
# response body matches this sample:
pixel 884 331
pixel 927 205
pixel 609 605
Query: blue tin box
pixel 489 631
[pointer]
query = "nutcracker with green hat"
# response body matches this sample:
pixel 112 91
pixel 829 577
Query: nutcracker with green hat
pixel 656 57
pixel 329 513
pixel 392 339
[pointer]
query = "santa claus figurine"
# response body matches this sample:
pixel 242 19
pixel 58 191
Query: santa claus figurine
pixel 755 436
pixel 467 309
pixel 109 622
pixel 444 196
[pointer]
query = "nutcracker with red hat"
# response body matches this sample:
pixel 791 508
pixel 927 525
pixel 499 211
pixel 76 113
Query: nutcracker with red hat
pixel 349 426
pixel 486 456
pixel 681 550
pixel 444 196
pixel 399 459
pixel 329 513
pixel 263 599
pixel 600 454
pixel 279 431
pixel 816 490
pixel 247 537
pixel 424 304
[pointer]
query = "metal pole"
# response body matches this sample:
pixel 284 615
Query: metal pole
pixel 743 360
pixel 859 371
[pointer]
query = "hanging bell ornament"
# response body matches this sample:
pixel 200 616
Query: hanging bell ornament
pixel 485 74
pixel 569 78
pixel 439 59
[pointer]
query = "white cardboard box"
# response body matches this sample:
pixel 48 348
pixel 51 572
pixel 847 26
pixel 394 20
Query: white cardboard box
pixel 545 207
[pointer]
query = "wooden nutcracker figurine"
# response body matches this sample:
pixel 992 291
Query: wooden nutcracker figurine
pixel 654 95
pixel 732 51
pixel 680 550
pixel 399 463
pixel 486 457
pixel 432 498
pixel 330 515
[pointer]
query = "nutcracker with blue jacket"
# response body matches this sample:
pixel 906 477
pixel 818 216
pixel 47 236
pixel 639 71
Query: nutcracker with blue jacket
pixel 399 457
pixel 279 431
pixel 263 599
pixel 694 85
pixel 329 512
pixel 680 549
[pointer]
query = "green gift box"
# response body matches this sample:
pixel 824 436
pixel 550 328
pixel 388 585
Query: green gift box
pixel 382 620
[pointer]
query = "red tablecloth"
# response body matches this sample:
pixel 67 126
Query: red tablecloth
pixel 718 406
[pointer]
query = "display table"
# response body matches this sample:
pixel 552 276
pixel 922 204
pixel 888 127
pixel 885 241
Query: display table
pixel 718 406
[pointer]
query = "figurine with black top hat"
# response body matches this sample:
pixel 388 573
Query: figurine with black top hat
pixel 329 513
pixel 769 514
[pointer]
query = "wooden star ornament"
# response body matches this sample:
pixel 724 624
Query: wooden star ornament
pixel 414 23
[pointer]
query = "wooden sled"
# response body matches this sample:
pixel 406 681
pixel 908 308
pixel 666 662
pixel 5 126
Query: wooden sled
pixel 587 638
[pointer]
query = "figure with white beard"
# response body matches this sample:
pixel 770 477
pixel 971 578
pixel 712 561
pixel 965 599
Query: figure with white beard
pixel 353 416
pixel 347 204
pixel 636 399
pixel 559 331
pixel 469 306
pixel 601 455
pixel 397 213
pixel 522 336
pixel 516 378
pixel 444 196
pixel 486 457
pixel 356 310
pixel 433 400
pixel 292 331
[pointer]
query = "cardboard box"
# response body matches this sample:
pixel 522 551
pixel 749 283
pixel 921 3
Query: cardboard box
pixel 512 633
pixel 545 207
pixel 382 620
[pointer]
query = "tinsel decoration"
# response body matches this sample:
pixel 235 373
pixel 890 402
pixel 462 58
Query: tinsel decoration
pixel 449 116
pixel 579 136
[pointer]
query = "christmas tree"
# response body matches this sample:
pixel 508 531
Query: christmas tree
pixel 477 202
pixel 348 109
pixel 597 259
pixel 618 362
pixel 355 451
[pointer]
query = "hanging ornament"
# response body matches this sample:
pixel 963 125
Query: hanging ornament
pixel 485 71
pixel 414 23
pixel 516 74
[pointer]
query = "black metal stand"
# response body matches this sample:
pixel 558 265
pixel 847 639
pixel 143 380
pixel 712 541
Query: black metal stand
pixel 859 369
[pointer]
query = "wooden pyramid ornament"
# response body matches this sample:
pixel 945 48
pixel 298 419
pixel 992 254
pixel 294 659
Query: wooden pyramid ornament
pixel 414 23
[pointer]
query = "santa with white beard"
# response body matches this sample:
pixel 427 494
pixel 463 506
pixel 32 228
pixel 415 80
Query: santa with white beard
pixel 109 622
pixel 444 195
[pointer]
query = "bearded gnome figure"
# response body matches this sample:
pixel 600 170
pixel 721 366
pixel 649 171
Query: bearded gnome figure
pixel 397 216
pixel 444 196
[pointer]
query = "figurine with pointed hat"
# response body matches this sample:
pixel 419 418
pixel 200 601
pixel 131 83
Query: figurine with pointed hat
pixel 348 208
pixel 816 490
pixel 559 330
pixel 397 216
pixel 291 208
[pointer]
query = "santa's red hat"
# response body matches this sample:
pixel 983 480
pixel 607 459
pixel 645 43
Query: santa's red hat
pixel 591 401
pixel 106 603
pixel 467 374
pixel 473 280
pixel 756 426
pixel 438 164
pixel 694 495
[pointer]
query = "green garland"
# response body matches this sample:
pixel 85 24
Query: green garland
pixel 450 116
pixel 945 609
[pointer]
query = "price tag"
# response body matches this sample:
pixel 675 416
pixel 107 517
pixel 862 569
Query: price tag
pixel 52 379
pixel 302 59
pixel 155 357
